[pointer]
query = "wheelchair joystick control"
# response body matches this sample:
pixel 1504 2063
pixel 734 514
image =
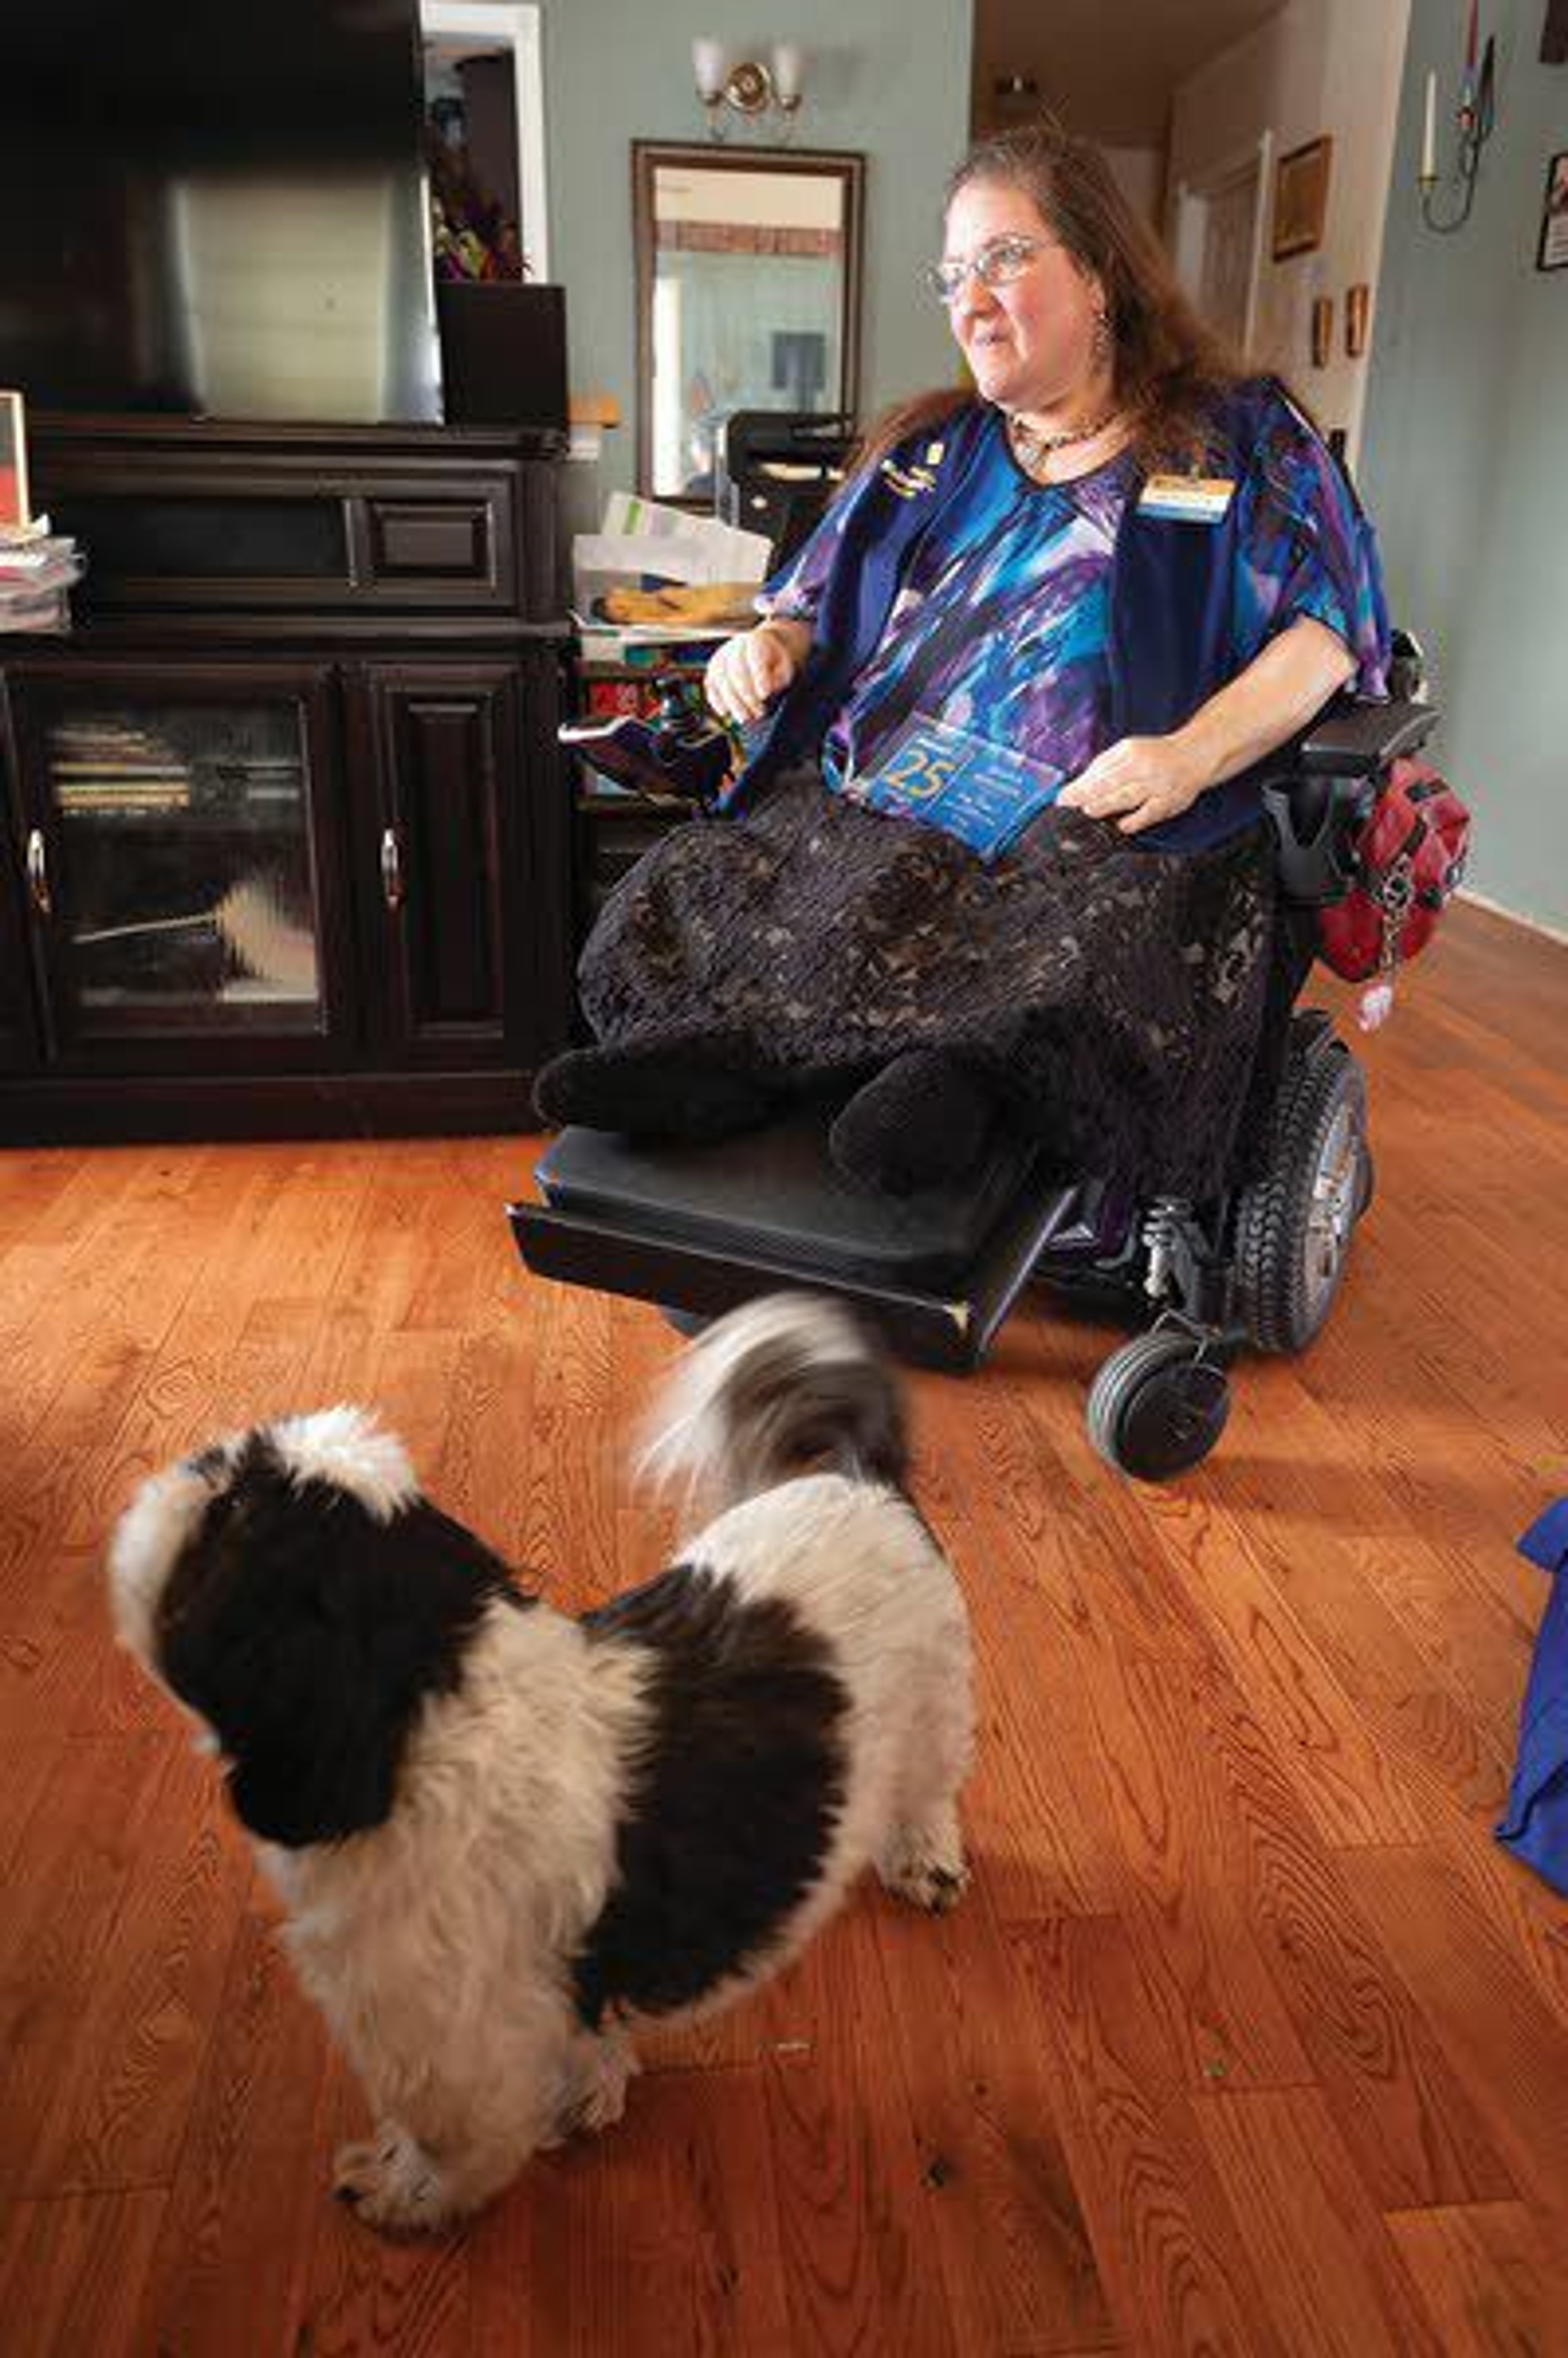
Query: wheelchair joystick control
pixel 681 716
pixel 679 754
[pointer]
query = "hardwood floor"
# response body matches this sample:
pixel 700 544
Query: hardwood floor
pixel 1249 2038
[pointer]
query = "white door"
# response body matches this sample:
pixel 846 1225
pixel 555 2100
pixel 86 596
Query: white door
pixel 1225 289
pixel 1218 244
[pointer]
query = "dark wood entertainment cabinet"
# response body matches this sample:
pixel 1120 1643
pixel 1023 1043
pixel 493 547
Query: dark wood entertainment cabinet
pixel 286 843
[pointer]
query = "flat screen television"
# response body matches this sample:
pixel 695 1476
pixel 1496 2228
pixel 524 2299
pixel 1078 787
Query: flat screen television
pixel 216 208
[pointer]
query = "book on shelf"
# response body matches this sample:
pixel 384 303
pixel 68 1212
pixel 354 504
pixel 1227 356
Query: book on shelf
pixel 83 789
pixel 47 565
pixel 607 698
pixel 150 782
pixel 153 790
pixel 76 779
pixel 75 753
pixel 103 733
pixel 124 806
pixel 110 781
pixel 51 612
pixel 84 742
pixel 38 600
pixel 640 645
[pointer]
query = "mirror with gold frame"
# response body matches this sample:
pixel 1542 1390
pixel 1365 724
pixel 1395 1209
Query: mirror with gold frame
pixel 748 296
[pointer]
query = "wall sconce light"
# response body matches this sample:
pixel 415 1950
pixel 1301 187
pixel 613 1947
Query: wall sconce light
pixel 748 86
pixel 1476 118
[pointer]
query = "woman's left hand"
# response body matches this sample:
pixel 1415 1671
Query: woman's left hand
pixel 1138 781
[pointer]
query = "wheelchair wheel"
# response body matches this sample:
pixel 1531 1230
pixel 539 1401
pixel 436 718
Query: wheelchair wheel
pixel 1158 1405
pixel 1295 1225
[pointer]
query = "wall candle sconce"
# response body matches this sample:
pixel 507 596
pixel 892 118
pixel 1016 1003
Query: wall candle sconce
pixel 1476 118
pixel 1357 306
pixel 745 84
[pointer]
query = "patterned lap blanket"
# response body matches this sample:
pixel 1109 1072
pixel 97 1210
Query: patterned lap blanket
pixel 1116 997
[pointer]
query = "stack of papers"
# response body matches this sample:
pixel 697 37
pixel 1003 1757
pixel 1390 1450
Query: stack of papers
pixel 644 545
pixel 36 570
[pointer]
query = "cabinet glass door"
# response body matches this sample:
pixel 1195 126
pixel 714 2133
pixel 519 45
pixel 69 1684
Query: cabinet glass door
pixel 177 875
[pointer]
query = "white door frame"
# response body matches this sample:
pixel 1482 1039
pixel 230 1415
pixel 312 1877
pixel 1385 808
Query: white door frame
pixel 516 26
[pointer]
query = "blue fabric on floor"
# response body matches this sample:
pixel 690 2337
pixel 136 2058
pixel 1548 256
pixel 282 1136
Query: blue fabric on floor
pixel 1535 1825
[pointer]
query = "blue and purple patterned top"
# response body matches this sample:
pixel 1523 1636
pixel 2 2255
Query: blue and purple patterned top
pixel 1001 625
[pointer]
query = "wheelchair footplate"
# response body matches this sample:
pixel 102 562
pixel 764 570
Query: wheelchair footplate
pixel 700 1228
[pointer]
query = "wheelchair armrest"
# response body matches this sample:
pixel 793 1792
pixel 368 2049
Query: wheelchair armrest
pixel 1357 739
pixel 1316 806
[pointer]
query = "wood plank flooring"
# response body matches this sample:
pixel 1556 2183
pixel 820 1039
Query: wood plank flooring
pixel 1250 2038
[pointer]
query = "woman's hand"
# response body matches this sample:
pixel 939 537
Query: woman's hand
pixel 746 674
pixel 1139 782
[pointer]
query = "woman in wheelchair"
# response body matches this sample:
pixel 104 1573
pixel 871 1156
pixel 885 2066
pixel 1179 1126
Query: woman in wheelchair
pixel 997 850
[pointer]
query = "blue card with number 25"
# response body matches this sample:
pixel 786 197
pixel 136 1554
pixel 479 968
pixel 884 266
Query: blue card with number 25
pixel 984 794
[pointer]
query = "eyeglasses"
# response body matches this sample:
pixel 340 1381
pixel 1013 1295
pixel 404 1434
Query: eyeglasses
pixel 996 265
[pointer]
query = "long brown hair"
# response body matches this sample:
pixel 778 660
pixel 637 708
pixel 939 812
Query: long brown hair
pixel 1169 369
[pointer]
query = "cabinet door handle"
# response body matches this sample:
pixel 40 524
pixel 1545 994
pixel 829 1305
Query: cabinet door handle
pixel 391 869
pixel 38 873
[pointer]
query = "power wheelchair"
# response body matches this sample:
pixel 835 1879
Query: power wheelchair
pixel 697 1229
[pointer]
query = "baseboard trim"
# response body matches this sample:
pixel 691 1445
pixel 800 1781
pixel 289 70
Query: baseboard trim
pixel 105 1109
pixel 1496 909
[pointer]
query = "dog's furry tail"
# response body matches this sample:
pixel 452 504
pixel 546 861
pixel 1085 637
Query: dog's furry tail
pixel 786 1386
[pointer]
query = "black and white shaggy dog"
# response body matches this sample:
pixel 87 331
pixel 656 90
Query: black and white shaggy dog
pixel 502 1835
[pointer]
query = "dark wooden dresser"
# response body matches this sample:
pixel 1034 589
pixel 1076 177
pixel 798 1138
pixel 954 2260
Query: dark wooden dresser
pixel 286 842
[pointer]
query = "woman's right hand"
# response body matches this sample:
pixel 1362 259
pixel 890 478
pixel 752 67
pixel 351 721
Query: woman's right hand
pixel 746 674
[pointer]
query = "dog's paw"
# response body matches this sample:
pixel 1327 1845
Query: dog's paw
pixel 601 2107
pixel 600 2100
pixel 391 2184
pixel 936 1885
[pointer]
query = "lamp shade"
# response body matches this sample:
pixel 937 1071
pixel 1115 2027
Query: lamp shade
pixel 789 71
pixel 711 64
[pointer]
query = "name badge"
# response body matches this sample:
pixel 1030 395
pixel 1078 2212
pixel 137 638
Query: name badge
pixel 1187 499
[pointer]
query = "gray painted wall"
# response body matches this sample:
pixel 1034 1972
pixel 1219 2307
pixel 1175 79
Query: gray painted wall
pixel 1465 461
pixel 888 77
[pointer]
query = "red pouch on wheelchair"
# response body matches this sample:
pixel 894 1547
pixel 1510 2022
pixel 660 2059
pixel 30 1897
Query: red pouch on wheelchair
pixel 1408 861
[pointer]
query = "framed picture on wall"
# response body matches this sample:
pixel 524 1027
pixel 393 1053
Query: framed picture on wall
pixel 14 513
pixel 1552 251
pixel 1301 198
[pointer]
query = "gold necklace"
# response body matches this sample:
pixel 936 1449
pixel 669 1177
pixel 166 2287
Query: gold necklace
pixel 1031 447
